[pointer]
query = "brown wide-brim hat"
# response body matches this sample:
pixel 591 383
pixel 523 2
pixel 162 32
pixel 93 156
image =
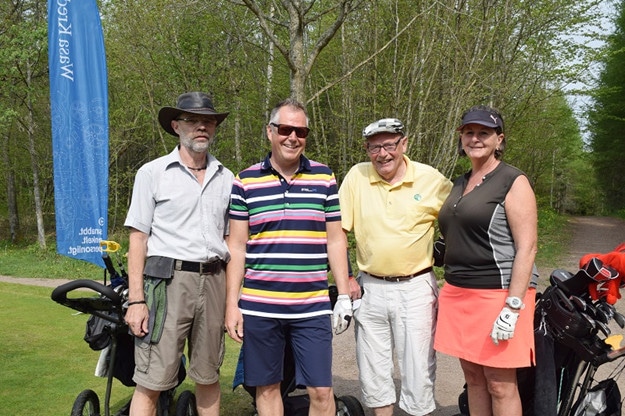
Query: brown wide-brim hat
pixel 189 102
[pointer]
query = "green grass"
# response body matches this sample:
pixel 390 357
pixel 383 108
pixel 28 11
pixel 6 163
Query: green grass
pixel 45 363
pixel 553 238
pixel 32 261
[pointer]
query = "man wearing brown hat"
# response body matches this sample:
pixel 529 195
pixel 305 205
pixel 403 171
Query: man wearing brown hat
pixel 176 259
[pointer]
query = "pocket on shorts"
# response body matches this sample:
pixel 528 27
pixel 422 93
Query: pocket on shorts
pixel 143 351
pixel 434 284
pixel 356 311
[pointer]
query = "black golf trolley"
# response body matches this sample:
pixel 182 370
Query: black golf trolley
pixel 107 332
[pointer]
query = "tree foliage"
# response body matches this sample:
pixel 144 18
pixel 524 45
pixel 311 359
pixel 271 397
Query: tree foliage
pixel 607 118
pixel 351 61
pixel 24 120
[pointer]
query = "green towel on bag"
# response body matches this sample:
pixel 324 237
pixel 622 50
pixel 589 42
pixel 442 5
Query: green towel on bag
pixel 156 299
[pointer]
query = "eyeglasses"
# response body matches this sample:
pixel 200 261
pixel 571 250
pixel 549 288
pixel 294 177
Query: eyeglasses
pixel 197 121
pixel 286 130
pixel 389 147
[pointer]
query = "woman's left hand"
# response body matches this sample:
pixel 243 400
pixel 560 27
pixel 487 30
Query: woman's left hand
pixel 503 328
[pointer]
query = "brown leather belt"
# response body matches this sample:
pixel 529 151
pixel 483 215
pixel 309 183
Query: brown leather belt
pixel 401 278
pixel 201 268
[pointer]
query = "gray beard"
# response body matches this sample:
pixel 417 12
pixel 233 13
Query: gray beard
pixel 195 146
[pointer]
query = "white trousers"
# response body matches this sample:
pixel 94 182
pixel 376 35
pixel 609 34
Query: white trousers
pixel 399 316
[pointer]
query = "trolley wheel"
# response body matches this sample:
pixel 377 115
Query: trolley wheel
pixel 349 406
pixel 165 402
pixel 86 404
pixel 463 402
pixel 186 404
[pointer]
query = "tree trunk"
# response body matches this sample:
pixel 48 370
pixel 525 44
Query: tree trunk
pixel 237 131
pixel 14 223
pixel 41 235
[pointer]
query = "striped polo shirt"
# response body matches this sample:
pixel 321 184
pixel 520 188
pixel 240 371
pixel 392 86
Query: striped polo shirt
pixel 286 255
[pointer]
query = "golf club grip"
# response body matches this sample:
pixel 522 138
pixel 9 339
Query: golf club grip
pixel 109 265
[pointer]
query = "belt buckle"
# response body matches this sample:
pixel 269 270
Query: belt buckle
pixel 210 267
pixel 392 278
pixel 206 268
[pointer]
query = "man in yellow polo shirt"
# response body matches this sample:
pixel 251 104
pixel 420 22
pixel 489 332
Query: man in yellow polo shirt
pixel 391 203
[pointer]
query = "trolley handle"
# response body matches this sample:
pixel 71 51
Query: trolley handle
pixel 101 306
pixel 609 356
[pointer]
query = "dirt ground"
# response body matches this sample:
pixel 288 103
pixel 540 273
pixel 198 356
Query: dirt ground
pixel 589 235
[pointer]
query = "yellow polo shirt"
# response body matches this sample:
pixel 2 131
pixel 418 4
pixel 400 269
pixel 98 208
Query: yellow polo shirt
pixel 393 224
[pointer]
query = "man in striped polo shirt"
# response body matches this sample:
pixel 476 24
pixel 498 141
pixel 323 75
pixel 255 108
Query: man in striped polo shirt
pixel 285 228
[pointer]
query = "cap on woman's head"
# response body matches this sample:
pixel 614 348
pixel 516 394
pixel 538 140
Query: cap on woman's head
pixel 189 102
pixel 482 117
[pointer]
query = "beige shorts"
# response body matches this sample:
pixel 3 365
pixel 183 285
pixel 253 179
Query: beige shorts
pixel 195 313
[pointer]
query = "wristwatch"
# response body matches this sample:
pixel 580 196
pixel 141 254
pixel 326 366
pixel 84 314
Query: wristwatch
pixel 514 302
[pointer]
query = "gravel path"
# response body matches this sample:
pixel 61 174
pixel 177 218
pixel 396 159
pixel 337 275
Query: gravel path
pixel 590 235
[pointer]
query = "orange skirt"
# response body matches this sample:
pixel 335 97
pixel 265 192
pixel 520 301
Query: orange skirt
pixel 465 321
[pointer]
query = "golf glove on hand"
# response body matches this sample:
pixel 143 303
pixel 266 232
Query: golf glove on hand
pixel 503 328
pixel 342 314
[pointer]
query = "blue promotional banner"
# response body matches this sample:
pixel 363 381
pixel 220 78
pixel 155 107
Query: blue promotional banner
pixel 79 110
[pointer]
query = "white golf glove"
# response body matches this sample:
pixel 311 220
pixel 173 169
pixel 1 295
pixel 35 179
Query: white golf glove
pixel 503 328
pixel 342 314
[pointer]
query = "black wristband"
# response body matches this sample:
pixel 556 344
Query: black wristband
pixel 137 302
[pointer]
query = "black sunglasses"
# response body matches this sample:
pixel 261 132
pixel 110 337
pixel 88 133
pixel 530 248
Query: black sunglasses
pixel 286 130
